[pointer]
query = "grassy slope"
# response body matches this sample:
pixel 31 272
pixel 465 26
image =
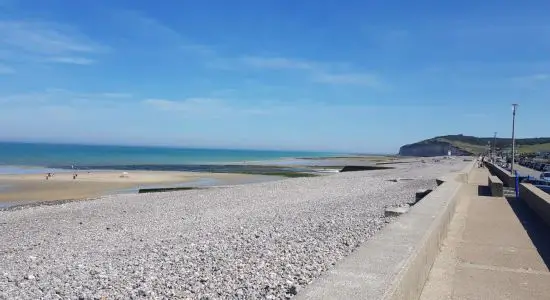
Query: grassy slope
pixel 477 145
pixel 534 148
pixel 475 149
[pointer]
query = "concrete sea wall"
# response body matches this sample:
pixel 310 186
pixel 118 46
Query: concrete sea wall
pixel 538 200
pixel 396 262
pixel 502 174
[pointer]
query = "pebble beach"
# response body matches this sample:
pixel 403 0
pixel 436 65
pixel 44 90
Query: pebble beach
pixel 255 241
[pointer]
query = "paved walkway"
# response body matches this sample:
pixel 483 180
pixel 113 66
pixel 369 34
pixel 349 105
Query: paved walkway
pixel 496 248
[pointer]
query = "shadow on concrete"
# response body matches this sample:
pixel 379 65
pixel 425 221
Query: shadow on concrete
pixel 483 190
pixel 537 230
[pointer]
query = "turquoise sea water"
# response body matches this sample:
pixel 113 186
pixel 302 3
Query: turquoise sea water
pixel 87 156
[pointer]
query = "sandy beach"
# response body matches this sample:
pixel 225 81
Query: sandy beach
pixel 28 188
pixel 17 189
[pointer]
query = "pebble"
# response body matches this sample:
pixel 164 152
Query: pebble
pixel 29 277
pixel 255 241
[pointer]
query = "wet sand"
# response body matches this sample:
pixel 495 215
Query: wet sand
pixel 29 188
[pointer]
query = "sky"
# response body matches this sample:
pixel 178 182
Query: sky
pixel 350 76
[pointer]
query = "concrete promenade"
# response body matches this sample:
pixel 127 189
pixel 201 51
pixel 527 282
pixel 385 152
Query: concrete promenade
pixel 496 248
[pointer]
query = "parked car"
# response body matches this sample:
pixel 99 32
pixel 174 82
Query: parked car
pixel 524 162
pixel 546 168
pixel 541 167
pixel 545 176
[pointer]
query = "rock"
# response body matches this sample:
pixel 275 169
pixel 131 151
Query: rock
pixel 396 211
pixel 29 277
pixel 293 290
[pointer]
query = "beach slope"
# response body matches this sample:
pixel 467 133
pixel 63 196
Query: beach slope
pixel 256 241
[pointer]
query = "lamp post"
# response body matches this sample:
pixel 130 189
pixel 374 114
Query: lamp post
pixel 495 147
pixel 514 107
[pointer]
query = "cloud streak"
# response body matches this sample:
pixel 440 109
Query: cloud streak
pixel 202 107
pixel 46 42
pixel 277 63
pixel 154 30
pixel 62 96
pixel 72 60
pixel 318 72
pixel 362 79
pixel 531 81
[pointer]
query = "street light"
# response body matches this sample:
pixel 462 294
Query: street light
pixel 514 107
pixel 495 147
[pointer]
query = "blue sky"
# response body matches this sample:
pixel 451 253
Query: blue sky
pixel 353 76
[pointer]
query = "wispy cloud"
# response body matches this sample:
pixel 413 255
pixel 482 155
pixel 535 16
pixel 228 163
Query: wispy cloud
pixel 61 96
pixel 116 95
pixel 531 81
pixel 6 70
pixel 320 72
pixel 46 42
pixel 276 63
pixel 534 77
pixel 369 80
pixel 199 49
pixel 143 25
pixel 317 71
pixel 163 34
pixel 203 107
pixel 219 108
pixel 71 60
pixel 187 105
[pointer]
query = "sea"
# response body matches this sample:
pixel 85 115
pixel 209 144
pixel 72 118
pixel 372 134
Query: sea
pixel 22 158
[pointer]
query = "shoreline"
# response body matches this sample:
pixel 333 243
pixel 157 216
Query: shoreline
pixel 274 162
pixel 22 189
pixel 26 185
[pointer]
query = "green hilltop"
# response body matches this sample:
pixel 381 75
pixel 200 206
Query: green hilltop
pixel 477 145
